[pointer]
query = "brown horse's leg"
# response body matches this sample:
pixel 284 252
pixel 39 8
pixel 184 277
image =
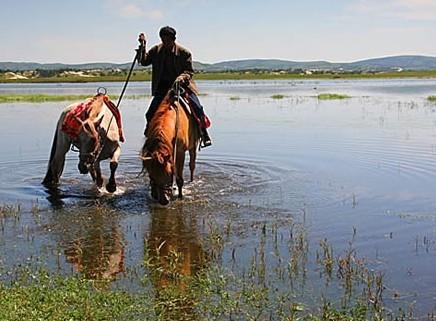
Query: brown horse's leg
pixel 192 158
pixel 61 145
pixel 180 162
pixel 111 186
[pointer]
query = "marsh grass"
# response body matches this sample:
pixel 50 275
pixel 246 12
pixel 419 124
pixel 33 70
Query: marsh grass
pixel 329 96
pixel 278 96
pixel 235 98
pixel 43 296
pixel 268 288
pixel 214 293
pixel 39 98
pixel 7 210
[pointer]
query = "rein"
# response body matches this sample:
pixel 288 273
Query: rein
pixel 176 108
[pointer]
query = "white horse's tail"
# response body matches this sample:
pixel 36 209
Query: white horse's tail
pixel 49 178
pixel 61 145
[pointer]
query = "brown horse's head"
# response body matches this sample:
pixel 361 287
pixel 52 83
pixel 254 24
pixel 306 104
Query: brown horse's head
pixel 159 164
pixel 89 142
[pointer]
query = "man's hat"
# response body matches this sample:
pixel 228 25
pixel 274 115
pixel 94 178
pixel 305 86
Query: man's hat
pixel 167 31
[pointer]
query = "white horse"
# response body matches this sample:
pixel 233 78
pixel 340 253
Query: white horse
pixel 94 128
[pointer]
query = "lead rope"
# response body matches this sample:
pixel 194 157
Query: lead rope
pixel 103 139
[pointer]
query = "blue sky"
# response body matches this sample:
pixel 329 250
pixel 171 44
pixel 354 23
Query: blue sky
pixel 106 30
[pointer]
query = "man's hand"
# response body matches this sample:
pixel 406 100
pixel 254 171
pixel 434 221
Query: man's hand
pixel 183 79
pixel 142 40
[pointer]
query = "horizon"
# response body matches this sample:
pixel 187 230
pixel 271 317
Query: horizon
pixel 233 60
pixel 341 31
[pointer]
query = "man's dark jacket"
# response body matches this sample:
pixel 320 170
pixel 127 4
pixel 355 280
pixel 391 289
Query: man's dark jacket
pixel 155 57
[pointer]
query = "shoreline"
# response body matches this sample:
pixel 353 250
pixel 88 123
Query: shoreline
pixel 243 75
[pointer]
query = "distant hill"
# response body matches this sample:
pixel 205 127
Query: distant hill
pixel 268 64
pixel 405 62
pixel 378 64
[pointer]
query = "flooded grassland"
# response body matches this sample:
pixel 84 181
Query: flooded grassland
pixel 315 201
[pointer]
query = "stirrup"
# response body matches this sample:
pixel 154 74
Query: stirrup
pixel 206 143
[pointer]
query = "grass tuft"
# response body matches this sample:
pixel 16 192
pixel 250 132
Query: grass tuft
pixel 278 96
pixel 39 98
pixel 329 96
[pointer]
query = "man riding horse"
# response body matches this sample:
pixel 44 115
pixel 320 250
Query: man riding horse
pixel 170 63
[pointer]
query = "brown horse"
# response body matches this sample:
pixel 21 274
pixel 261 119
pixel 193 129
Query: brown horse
pixel 171 133
pixel 90 127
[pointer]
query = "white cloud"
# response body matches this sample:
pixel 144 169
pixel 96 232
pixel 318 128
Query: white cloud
pixel 405 9
pixel 135 9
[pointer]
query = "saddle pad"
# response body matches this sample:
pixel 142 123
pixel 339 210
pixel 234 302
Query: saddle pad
pixel 71 125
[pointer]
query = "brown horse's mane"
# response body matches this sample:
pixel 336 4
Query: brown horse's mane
pixel 158 141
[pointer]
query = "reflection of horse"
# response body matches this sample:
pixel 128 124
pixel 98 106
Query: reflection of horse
pixel 98 254
pixel 175 255
pixel 92 239
pixel 171 133
pixel 89 127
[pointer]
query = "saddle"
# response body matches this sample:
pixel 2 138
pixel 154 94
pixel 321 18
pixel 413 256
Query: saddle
pixel 191 104
pixel 72 123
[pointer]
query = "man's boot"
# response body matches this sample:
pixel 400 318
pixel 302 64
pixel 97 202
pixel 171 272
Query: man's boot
pixel 205 139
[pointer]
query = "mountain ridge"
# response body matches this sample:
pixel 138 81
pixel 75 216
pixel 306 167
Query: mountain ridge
pixel 403 62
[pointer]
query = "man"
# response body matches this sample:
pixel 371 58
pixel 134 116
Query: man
pixel 170 62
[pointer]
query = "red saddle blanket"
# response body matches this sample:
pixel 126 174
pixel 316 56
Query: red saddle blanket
pixel 72 121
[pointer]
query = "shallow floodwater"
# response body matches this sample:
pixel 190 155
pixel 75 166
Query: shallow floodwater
pixel 364 166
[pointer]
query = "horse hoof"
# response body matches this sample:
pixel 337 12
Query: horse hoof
pixel 111 188
pixel 164 202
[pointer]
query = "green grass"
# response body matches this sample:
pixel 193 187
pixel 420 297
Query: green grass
pixel 213 295
pixel 329 96
pixel 432 98
pixel 278 96
pixel 235 98
pixel 38 98
pixel 51 297
pixel 142 75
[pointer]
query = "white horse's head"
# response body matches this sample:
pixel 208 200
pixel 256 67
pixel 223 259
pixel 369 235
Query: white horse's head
pixel 89 142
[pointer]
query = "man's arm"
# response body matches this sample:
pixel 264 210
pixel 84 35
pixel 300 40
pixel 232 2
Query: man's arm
pixel 144 57
pixel 188 72
pixel 187 68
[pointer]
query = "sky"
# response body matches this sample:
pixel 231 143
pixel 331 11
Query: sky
pixel 82 31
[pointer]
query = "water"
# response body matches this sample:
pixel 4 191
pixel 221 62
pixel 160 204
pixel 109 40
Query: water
pixel 367 163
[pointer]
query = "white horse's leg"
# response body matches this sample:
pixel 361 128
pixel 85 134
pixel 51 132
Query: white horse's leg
pixel 111 186
pixel 61 145
pixel 96 175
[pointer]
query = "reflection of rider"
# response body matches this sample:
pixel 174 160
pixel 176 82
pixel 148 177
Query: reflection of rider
pixel 175 251
pixel 170 62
